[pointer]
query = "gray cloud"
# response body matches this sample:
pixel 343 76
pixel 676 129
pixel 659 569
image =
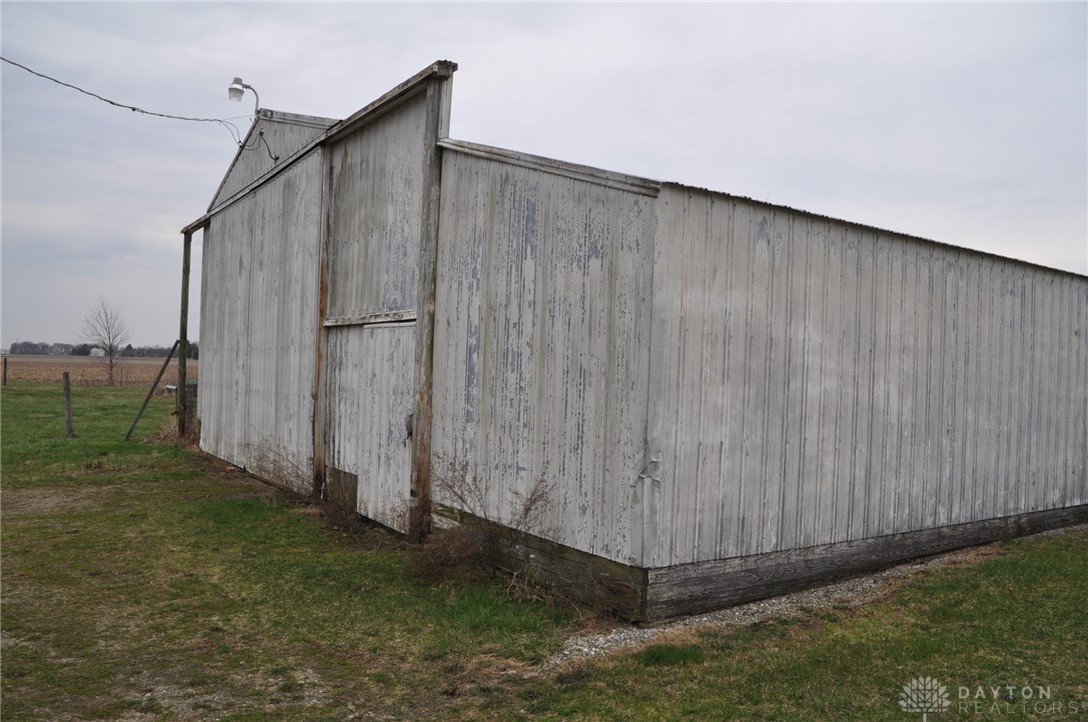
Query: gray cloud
pixel 966 123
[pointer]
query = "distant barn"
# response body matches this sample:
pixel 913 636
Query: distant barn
pixel 717 399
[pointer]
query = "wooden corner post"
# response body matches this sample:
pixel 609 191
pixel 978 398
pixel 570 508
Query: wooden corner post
pixel 318 433
pixel 437 125
pixel 182 397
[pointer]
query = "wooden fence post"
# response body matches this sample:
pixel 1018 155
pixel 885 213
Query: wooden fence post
pixel 5 371
pixel 69 428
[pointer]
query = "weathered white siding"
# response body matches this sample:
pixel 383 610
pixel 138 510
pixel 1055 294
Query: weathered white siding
pixel 371 394
pixel 688 376
pixel 541 336
pixel 822 382
pixel 258 328
pixel 374 218
pixel 376 199
pixel 273 134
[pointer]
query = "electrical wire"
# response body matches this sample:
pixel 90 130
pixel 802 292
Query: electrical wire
pixel 275 158
pixel 231 127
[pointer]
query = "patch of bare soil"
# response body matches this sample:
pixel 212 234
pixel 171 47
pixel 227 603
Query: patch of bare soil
pixel 23 502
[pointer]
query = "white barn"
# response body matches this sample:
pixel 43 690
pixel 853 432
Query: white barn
pixel 722 398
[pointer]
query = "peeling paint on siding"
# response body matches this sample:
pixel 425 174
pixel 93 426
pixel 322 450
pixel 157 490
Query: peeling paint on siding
pixel 696 376
pixel 543 321
pixel 370 396
pixel 829 382
pixel 257 328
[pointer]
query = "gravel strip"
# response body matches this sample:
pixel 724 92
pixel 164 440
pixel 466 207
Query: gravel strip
pixel 849 593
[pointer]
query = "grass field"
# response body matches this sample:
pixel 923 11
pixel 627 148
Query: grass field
pixel 144 581
pixel 91 371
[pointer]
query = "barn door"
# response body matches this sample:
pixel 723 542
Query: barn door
pixel 378 266
pixel 368 449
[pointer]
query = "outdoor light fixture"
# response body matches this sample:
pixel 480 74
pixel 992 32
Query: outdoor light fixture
pixel 237 89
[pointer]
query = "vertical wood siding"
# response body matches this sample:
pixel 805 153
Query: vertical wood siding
pixel 374 217
pixel 691 376
pixel 258 328
pixel 541 332
pixel 372 256
pixel 371 395
pixel 826 382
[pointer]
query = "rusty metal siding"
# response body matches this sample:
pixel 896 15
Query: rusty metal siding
pixel 258 322
pixel 371 396
pixel 541 331
pixel 283 134
pixel 374 217
pixel 826 382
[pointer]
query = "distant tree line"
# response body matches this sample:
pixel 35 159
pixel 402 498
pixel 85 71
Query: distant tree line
pixel 41 349
pixel 33 348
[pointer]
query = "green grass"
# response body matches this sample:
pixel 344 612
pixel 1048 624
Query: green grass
pixel 143 580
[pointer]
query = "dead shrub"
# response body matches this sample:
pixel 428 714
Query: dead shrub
pixel 268 462
pixel 448 554
pixel 471 545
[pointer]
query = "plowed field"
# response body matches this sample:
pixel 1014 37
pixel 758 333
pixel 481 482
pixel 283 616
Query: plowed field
pixel 89 371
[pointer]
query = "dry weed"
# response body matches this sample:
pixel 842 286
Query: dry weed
pixel 472 544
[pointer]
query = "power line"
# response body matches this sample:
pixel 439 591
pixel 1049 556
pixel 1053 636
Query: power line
pixel 231 127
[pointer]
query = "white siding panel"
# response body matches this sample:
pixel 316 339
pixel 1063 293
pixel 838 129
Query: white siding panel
pixel 542 328
pixel 258 328
pixel 370 398
pixel 376 202
pixel 846 383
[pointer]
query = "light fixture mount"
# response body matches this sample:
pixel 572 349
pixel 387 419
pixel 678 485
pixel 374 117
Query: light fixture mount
pixel 237 89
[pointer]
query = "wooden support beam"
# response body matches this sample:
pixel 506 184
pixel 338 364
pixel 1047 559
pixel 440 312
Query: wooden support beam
pixel 704 586
pixel 318 432
pixel 151 391
pixel 182 399
pixel 419 519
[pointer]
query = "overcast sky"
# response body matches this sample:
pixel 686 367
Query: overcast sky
pixel 964 123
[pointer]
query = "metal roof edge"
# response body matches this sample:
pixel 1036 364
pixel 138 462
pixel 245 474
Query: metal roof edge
pixel 878 229
pixel 310 121
pixel 600 176
pixel 405 91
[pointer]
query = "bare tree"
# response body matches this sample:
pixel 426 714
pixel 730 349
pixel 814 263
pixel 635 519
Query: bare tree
pixel 104 327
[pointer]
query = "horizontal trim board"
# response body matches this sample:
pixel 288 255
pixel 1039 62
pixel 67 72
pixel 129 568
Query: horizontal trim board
pixel 609 179
pixel 364 319
pixel 309 121
pixel 706 586
pixel 261 181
